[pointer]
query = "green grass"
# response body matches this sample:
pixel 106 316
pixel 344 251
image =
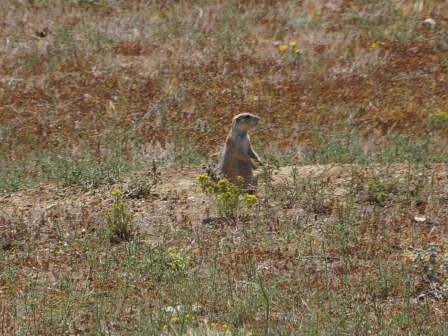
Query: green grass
pixel 63 169
pixel 346 147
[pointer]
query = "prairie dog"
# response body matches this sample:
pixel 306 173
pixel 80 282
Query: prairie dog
pixel 238 152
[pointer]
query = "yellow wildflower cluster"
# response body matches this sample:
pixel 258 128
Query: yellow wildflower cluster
pixel 177 319
pixel 251 200
pixel 223 327
pixel 229 197
pixel 178 260
pixel 283 48
pixel 376 45
pixel 119 217
pixel 222 186
pixel 117 193
pixel 118 203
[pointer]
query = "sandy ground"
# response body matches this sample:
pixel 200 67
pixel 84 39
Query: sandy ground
pixel 178 196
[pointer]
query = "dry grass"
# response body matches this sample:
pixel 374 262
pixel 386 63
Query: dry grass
pixel 94 90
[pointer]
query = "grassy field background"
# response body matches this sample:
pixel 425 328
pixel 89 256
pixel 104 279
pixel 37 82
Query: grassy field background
pixel 348 234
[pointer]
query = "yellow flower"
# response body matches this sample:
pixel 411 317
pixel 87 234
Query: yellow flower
pixel 293 44
pixel 373 45
pixel 282 48
pixel 117 193
pixel 298 51
pixel 239 180
pixel 175 319
pixel 251 199
pixel 223 184
pixel 203 177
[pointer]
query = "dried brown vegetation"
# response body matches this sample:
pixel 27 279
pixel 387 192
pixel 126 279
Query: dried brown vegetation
pixel 155 69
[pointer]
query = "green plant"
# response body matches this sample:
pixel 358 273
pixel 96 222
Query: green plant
pixel 12 178
pixel 380 189
pixel 119 219
pixel 88 173
pixel 228 197
pixel 439 120
pixel 315 196
pixel 344 232
pixel 337 145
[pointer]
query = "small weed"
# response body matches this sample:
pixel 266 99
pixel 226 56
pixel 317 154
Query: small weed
pixel 164 264
pixel 266 176
pixel 141 185
pixel 315 196
pixel 12 179
pixel 119 219
pixel 289 193
pixel 344 232
pixel 178 260
pixel 380 189
pixel 439 120
pixel 88 173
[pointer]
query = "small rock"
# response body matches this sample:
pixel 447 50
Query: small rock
pixel 420 219
pixel 51 206
pixel 429 23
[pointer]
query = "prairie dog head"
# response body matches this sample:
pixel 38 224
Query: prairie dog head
pixel 243 121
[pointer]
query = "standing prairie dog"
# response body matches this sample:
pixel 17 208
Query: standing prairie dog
pixel 238 152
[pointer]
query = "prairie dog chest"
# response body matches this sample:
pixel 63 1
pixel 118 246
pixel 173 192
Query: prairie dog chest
pixel 242 142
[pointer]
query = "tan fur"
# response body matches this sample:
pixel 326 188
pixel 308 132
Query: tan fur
pixel 238 152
